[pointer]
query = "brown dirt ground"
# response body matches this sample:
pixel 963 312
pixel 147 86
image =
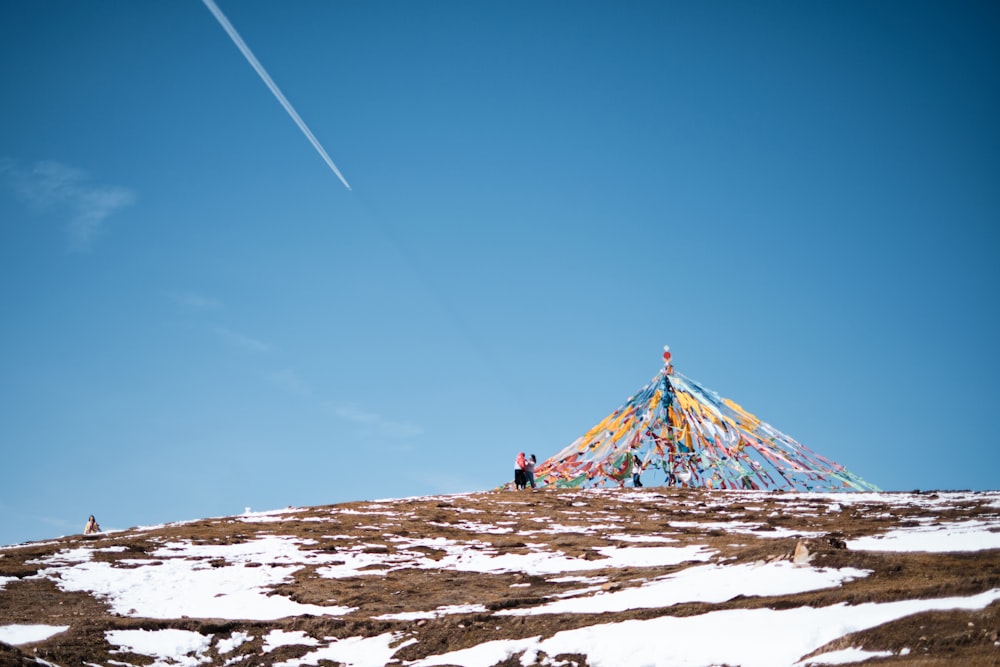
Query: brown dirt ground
pixel 933 638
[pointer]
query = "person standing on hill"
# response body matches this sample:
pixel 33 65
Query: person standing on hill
pixel 529 470
pixel 636 471
pixel 520 476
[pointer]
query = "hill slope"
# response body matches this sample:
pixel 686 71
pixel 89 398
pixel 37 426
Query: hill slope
pixel 611 577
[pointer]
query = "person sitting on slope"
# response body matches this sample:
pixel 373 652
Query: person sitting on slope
pixel 91 526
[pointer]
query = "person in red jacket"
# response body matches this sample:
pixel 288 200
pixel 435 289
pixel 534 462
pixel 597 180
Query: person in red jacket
pixel 520 479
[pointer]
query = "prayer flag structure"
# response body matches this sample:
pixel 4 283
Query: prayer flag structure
pixel 674 431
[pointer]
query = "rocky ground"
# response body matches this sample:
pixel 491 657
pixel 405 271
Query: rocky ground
pixel 404 581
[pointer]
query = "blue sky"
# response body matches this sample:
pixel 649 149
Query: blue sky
pixel 800 198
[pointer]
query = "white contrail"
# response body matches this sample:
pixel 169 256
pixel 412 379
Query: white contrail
pixel 245 50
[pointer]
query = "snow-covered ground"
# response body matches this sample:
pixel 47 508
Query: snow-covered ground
pixel 182 578
pixel 748 637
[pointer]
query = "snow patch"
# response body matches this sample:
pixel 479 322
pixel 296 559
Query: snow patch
pixel 354 652
pixel 844 657
pixel 753 637
pixel 440 611
pixel 969 535
pixel 278 638
pixel 18 634
pixel 169 648
pixel 704 583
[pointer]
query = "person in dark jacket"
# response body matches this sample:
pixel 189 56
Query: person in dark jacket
pixel 529 470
